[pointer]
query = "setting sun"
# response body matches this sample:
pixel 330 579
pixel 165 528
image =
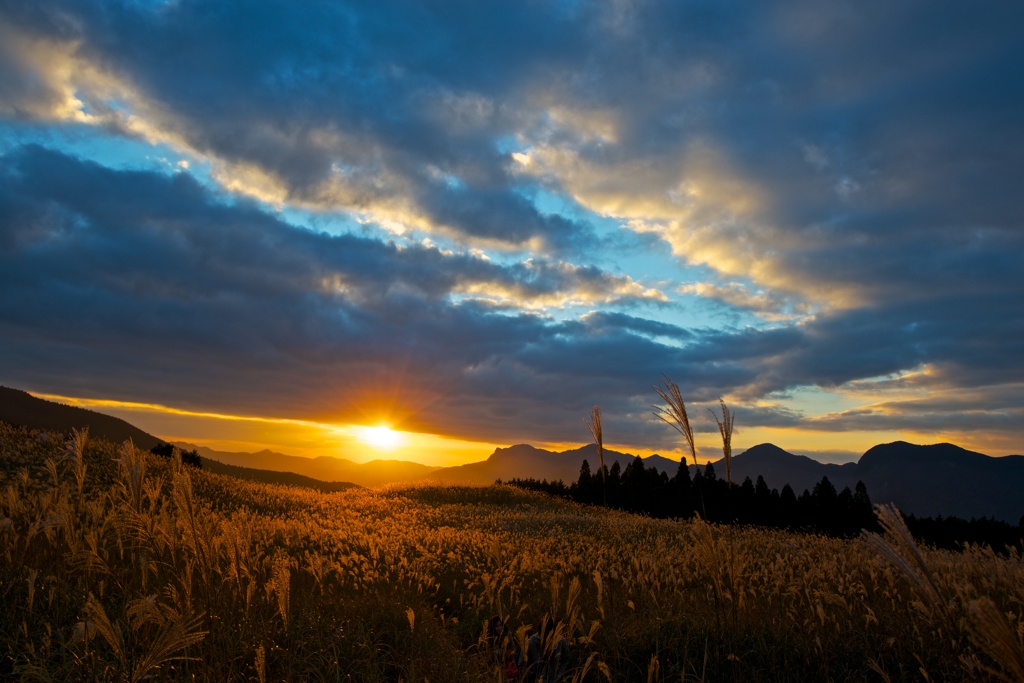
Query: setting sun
pixel 380 437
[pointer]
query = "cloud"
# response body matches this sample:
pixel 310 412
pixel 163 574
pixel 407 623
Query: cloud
pixel 833 180
pixel 319 108
pixel 721 129
pixel 151 276
pixel 842 180
pixel 132 282
pixel 771 306
pixel 951 414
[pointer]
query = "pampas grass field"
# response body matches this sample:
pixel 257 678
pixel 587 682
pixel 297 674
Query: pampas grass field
pixel 117 565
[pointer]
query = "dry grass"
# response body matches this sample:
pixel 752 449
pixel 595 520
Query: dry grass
pixel 959 606
pixel 726 424
pixel 674 413
pixel 159 572
pixel 593 421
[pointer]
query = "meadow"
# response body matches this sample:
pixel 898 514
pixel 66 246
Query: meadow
pixel 118 565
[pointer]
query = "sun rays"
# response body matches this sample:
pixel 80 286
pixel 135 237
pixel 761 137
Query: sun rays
pixel 381 437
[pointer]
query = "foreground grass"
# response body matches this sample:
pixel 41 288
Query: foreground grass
pixel 117 565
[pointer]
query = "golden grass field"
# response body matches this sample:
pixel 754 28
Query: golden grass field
pixel 121 566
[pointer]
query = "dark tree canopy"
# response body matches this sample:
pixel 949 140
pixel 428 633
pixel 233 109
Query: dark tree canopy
pixel 638 488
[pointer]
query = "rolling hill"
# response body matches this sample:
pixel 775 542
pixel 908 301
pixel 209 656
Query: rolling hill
pixel 21 408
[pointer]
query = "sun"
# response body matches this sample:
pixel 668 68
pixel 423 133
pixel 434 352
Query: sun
pixel 382 437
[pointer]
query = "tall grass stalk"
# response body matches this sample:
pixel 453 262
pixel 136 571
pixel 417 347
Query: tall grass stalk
pixel 593 421
pixel 991 632
pixel 674 414
pixel 725 428
pixel 897 546
pixel 986 625
pixel 74 450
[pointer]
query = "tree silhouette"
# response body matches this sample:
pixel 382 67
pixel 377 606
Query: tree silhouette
pixel 166 450
pixel 642 489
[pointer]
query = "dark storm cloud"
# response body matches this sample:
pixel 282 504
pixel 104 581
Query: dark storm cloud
pixel 607 320
pixel 890 125
pixel 855 163
pixel 340 106
pixel 113 278
pixel 974 339
pixel 205 302
pixel 156 222
pixel 950 412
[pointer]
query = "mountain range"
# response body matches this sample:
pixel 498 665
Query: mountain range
pixel 939 479
pixel 325 467
pixel 274 477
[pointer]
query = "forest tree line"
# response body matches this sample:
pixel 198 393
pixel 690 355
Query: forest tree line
pixel 823 509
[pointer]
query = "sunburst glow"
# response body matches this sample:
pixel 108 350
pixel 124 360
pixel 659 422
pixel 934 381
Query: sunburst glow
pixel 382 437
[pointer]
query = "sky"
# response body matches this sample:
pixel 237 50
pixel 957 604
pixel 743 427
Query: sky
pixel 268 223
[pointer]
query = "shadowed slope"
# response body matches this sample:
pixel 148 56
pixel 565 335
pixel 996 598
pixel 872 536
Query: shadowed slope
pixel 272 477
pixel 21 408
pixel 944 479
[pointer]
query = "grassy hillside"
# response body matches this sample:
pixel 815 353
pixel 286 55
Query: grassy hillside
pixel 117 565
pixel 21 408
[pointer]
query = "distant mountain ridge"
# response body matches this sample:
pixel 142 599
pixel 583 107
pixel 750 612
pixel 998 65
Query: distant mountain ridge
pixel 939 479
pixel 945 479
pixel 274 477
pixel 780 467
pixel 325 468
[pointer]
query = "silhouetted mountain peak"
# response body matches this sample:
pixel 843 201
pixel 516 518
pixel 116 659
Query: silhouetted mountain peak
pixel 586 450
pixel 903 454
pixel 518 451
pixel 769 455
pixel 765 451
